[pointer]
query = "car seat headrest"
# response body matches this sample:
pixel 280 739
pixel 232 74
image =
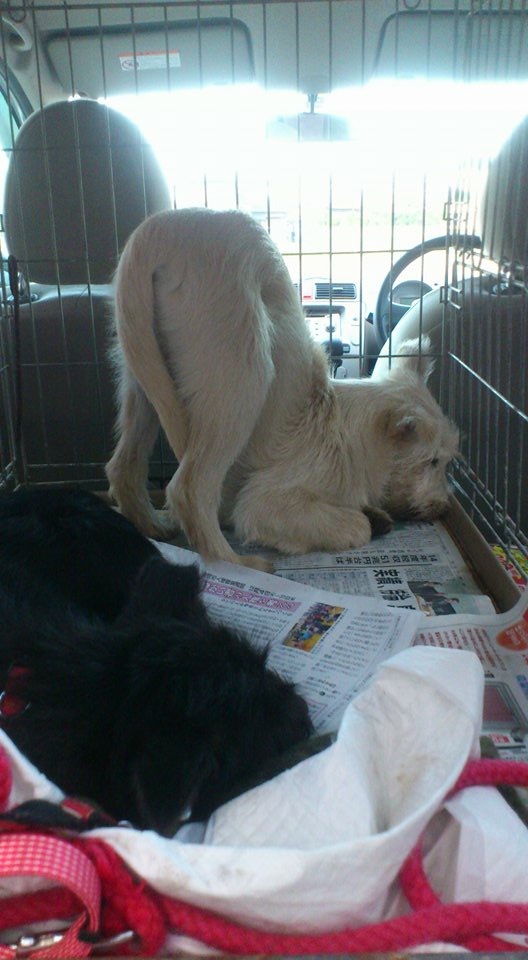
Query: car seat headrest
pixel 80 179
pixel 504 224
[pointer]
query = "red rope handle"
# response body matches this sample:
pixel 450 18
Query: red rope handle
pixel 421 896
pixel 128 903
pixel 492 773
pixel 414 881
pixel 453 923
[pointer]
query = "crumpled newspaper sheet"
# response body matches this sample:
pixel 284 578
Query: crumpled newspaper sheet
pixel 319 847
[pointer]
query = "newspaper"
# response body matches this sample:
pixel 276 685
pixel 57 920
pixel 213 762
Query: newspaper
pixel 330 619
pixel 501 643
pixel 327 643
pixel 416 566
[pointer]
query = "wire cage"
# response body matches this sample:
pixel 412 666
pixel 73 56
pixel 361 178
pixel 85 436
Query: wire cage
pixel 486 337
pixel 292 131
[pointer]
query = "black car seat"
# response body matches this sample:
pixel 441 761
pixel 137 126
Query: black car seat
pixel 479 331
pixel 81 177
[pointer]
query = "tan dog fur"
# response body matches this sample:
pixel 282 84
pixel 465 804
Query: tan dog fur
pixel 213 345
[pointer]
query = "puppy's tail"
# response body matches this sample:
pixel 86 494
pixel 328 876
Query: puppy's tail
pixel 134 320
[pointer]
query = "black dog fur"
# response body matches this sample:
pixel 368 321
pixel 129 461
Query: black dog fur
pixel 134 697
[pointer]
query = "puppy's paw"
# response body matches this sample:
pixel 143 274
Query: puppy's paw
pixel 380 521
pixel 161 525
pixel 157 524
pixel 357 531
pixel 257 563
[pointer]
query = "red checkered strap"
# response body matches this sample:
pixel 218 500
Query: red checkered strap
pixel 50 858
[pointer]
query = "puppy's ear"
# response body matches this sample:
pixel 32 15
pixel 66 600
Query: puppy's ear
pixel 165 589
pixel 400 427
pixel 406 426
pixel 415 355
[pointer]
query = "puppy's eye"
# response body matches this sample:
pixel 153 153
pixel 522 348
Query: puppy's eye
pixel 434 462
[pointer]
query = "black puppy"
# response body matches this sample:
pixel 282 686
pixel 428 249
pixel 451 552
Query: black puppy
pixel 116 682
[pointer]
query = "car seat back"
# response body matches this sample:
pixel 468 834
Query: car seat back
pixel 504 208
pixel 80 179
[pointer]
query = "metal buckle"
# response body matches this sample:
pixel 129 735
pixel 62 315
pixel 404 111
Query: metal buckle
pixel 99 943
pixel 27 942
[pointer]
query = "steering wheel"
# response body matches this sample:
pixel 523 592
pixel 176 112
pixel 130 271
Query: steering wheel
pixel 387 312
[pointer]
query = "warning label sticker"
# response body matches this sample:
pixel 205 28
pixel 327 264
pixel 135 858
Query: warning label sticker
pixel 150 60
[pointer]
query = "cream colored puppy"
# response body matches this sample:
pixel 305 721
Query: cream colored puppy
pixel 213 345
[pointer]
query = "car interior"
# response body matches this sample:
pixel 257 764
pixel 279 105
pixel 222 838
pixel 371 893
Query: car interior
pixel 382 145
